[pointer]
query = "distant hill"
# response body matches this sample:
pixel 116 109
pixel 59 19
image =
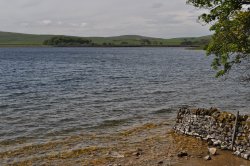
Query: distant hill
pixel 9 38
pixel 19 39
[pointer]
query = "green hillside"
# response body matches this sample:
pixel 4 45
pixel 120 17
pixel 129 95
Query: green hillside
pixel 135 40
pixel 9 38
pixel 18 39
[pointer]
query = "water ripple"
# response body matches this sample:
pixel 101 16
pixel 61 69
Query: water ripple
pixel 47 93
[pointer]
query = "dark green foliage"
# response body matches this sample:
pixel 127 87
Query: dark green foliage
pixel 64 41
pixel 186 42
pixel 146 41
pixel 124 43
pixel 230 43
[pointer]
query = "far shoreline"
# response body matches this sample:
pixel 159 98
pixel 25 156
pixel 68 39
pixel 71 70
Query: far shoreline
pixel 118 46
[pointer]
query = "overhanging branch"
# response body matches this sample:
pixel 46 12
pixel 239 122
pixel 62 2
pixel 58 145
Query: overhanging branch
pixel 245 2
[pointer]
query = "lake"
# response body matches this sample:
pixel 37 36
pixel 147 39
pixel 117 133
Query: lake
pixel 47 94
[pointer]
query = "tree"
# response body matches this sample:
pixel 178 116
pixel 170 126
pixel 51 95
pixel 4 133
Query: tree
pixel 230 21
pixel 186 42
pixel 65 41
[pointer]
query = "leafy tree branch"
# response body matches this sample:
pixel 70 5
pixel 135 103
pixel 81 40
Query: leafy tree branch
pixel 230 21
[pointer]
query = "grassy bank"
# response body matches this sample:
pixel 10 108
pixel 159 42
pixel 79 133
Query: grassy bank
pixel 9 39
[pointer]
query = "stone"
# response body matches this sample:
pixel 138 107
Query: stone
pixel 246 156
pixel 215 127
pixel 208 157
pixel 237 153
pixel 160 162
pixel 210 142
pixel 199 156
pixel 138 152
pixel 224 147
pixel 182 154
pixel 217 143
pixel 212 151
pixel 240 129
pixel 115 155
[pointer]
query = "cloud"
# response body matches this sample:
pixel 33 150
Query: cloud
pixel 28 3
pixel 83 24
pixel 46 22
pixel 24 24
pixel 73 24
pixel 158 18
pixel 59 22
pixel 157 5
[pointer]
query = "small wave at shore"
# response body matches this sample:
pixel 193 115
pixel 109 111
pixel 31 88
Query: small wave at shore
pixel 82 144
pixel 111 123
pixel 163 111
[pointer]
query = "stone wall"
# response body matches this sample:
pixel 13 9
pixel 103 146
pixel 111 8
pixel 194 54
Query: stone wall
pixel 217 128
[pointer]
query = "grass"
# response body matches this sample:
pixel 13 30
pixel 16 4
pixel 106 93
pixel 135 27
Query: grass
pixel 19 39
pixel 8 38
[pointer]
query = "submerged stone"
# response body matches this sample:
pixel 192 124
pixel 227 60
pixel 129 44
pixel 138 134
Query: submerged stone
pixel 212 151
pixel 208 157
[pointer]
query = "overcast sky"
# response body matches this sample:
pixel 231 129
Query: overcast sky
pixel 156 18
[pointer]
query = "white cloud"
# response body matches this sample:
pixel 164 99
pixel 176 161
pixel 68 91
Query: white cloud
pixel 59 22
pixel 24 24
pixel 157 5
pixel 73 24
pixel 46 22
pixel 83 24
pixel 154 18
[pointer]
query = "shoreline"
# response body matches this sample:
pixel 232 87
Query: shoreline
pixel 146 145
pixel 118 46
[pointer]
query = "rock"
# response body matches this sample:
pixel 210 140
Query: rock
pixel 207 157
pixel 224 147
pixel 217 143
pixel 115 155
pixel 212 151
pixel 160 162
pixel 229 134
pixel 138 152
pixel 237 153
pixel 199 156
pixel 215 127
pixel 182 154
pixel 246 156
pixel 210 142
pixel 240 129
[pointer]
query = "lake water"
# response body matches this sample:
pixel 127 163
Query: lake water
pixel 51 93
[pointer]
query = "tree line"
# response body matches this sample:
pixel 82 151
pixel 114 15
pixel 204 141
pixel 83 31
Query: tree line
pixel 63 41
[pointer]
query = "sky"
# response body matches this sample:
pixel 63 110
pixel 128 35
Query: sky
pixel 154 18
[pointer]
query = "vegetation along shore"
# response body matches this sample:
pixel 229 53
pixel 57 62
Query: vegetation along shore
pixel 8 39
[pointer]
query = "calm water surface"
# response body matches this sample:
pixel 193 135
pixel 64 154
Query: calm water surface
pixel 49 93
